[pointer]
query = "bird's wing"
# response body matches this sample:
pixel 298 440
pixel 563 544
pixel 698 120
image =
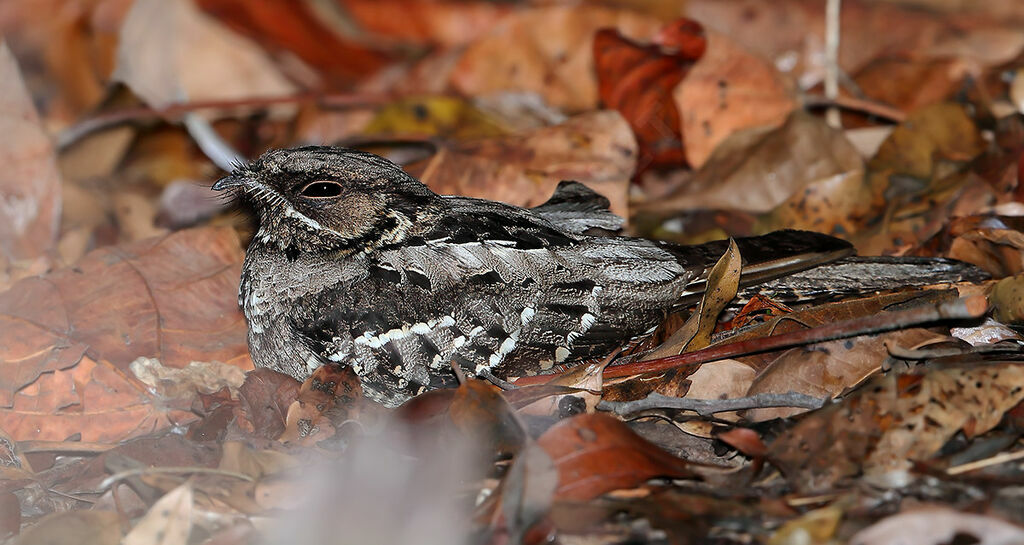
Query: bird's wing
pixel 576 208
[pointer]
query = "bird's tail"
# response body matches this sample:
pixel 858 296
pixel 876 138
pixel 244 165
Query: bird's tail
pixel 802 266
pixel 765 257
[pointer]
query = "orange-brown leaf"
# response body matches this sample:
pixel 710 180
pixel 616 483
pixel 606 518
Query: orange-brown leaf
pixel 596 453
pixel 637 80
pixel 171 298
pixel 291 26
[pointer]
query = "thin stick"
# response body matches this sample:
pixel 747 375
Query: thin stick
pixel 987 462
pixel 120 476
pixel 708 407
pixel 66 447
pixel 958 309
pixel 869 107
pixel 832 61
pixel 116 117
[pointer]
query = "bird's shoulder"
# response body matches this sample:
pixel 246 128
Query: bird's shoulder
pixel 466 220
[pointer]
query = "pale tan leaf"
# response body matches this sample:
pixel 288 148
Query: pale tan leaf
pixel 29 183
pixel 168 522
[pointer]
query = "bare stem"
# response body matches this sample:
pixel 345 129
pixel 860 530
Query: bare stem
pixel 708 407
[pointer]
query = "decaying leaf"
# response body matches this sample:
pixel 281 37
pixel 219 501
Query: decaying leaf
pixel 528 490
pixel 546 50
pixel 168 522
pixel 170 52
pixel 327 399
pixel 723 282
pixel 82 527
pixel 596 453
pixel 30 195
pixel 68 338
pixel 638 80
pixel 298 28
pixel 727 90
pixel 597 149
pixel 827 369
pixel 758 169
pixel 936 525
pixel 894 420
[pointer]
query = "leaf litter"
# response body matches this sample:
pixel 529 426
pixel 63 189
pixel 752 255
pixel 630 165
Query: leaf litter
pixel 826 409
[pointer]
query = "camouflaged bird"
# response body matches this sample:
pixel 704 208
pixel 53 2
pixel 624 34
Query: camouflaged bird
pixel 357 263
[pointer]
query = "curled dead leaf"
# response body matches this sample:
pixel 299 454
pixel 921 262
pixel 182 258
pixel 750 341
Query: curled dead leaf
pixel 596 148
pixel 596 453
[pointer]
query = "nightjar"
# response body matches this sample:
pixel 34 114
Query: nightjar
pixel 357 263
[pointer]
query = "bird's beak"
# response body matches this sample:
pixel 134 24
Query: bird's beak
pixel 229 181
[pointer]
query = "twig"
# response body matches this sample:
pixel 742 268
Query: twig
pixel 869 107
pixel 487 375
pixel 214 147
pixel 65 447
pixel 987 462
pixel 936 353
pixel 116 117
pixel 121 475
pixel 832 61
pixel 708 407
pixel 957 309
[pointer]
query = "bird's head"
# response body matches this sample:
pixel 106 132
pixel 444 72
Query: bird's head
pixel 322 198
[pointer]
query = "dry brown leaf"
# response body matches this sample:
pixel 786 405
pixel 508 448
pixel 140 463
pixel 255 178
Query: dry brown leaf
pixel 727 90
pixel 67 50
pixel 79 527
pixel 825 370
pixel 791 33
pixel 30 193
pixel 10 514
pixel 596 453
pixel 835 312
pixel 938 525
pixel 996 250
pixel 528 490
pixel 136 216
pixel 597 149
pixel 479 412
pixel 758 169
pixel 327 399
pixel 427 22
pixel 171 298
pixel 723 282
pixel 894 420
pixel 170 52
pixel 583 382
pixel 909 84
pixel 546 50
pixel 913 184
pixel 637 80
pixel 926 143
pixel 305 30
pixel 723 379
pixel 1007 299
pixel 264 398
pixel 168 522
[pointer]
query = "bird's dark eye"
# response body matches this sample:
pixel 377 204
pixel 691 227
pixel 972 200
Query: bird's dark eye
pixel 321 190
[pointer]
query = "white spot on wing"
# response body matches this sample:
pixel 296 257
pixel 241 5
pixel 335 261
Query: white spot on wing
pixel 507 346
pixel 421 328
pixel 527 315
